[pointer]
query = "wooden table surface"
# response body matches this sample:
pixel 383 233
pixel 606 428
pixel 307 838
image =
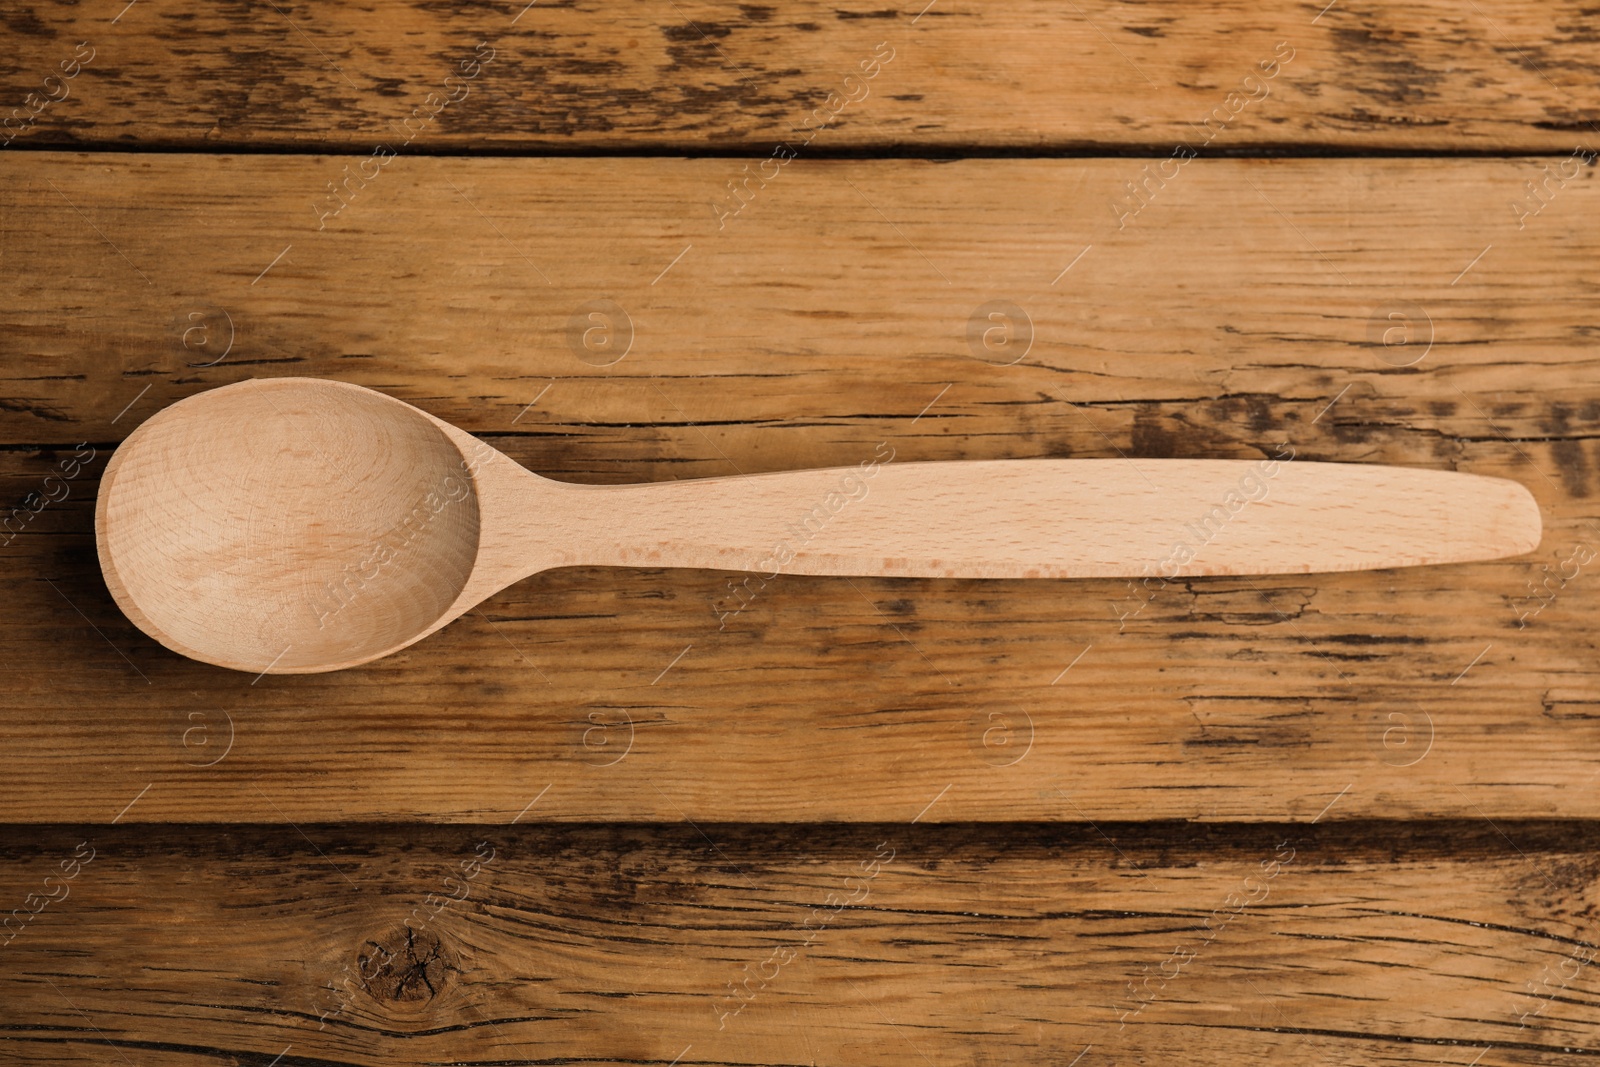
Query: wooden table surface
pixel 660 817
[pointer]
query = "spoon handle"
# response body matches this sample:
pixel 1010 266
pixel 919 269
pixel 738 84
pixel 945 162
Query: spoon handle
pixel 1057 518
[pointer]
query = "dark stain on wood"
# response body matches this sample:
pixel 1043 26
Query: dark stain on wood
pixel 1572 462
pixel 1155 435
pixel 27 23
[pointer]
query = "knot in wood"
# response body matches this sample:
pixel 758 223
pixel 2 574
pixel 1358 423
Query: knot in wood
pixel 407 966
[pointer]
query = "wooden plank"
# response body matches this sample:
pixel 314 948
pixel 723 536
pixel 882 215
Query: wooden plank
pixel 1243 311
pixel 1368 943
pixel 1507 75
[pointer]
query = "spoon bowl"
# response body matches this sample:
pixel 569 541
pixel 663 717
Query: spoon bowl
pixel 292 525
pixel 268 524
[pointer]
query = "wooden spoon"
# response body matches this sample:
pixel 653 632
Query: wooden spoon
pixel 295 525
